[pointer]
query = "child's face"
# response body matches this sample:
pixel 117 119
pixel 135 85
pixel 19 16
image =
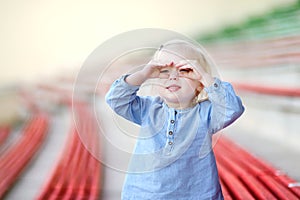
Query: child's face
pixel 176 90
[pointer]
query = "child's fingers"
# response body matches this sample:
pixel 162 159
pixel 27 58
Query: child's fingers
pixel 152 69
pixel 189 69
pixel 181 63
pixel 189 64
pixel 156 64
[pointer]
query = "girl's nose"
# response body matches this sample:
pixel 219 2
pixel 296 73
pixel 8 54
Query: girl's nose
pixel 173 75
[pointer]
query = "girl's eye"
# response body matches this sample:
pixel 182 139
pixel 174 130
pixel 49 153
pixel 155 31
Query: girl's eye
pixel 164 71
pixel 185 70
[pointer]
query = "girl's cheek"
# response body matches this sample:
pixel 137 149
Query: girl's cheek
pixel 164 76
pixel 182 74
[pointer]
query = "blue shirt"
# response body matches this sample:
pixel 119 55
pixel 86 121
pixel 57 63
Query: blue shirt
pixel 173 157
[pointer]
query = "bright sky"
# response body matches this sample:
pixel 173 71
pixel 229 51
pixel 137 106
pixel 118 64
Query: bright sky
pixel 46 37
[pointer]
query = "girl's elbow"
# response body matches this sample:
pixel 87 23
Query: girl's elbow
pixel 242 110
pixel 239 110
pixel 111 102
pixel 239 107
pixel 107 99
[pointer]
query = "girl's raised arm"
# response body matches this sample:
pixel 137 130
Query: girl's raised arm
pixel 151 70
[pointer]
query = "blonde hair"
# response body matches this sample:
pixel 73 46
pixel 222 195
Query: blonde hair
pixel 188 50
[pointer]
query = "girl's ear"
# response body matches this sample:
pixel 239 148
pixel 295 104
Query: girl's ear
pixel 200 87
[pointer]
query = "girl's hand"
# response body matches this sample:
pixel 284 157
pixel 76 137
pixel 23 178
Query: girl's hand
pixel 193 70
pixel 152 69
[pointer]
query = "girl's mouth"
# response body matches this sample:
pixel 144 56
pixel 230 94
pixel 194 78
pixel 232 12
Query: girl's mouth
pixel 173 88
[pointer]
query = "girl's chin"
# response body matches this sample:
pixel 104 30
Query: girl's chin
pixel 175 98
pixel 176 102
pixel 178 105
pixel 171 98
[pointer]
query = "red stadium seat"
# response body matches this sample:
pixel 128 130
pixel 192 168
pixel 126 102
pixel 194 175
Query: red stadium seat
pixel 77 174
pixel 14 160
pixel 244 176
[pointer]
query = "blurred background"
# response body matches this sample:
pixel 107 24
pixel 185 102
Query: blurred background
pixel 256 45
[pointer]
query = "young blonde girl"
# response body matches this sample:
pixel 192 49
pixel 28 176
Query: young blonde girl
pixel 173 157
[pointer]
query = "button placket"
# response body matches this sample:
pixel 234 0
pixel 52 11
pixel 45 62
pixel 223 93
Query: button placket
pixel 170 132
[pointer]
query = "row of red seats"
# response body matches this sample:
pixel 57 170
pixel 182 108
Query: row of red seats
pixel 4 132
pixel 78 173
pixel 18 155
pixel 259 53
pixel 269 90
pixel 244 176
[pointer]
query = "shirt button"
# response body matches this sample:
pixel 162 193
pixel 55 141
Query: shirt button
pixel 216 85
pixel 170 143
pixel 170 133
pixel 172 121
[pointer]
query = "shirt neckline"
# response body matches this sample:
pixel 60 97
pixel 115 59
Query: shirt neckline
pixel 179 110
